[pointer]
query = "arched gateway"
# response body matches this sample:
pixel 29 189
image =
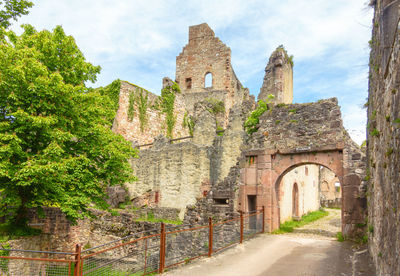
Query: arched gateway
pixel 274 156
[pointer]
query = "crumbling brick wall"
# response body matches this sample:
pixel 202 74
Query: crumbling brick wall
pixel 206 54
pixel 383 141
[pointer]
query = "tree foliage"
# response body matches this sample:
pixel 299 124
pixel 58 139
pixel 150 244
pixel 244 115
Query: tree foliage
pixel 11 9
pixel 56 144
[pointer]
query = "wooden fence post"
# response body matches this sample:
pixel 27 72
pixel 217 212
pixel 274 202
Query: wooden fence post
pixel 162 248
pixel 77 268
pixel 210 237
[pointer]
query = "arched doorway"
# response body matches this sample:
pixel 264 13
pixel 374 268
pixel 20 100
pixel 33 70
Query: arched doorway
pixel 297 192
pixel 295 201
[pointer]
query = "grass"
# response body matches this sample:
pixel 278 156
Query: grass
pixel 8 231
pixel 150 218
pixel 340 237
pixel 289 226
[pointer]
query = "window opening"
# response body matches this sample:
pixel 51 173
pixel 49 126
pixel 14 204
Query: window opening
pixel 208 80
pixel 188 83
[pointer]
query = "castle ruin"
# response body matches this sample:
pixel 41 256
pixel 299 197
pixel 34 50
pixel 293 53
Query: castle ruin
pixel 219 167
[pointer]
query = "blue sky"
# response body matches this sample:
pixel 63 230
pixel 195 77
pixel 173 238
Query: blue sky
pixel 138 41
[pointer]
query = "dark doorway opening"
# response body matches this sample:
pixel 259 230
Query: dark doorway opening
pixel 251 207
pixel 295 201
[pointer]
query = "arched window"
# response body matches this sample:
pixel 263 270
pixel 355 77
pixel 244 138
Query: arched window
pixel 208 80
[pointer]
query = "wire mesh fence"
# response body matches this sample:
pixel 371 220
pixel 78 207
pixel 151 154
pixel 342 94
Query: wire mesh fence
pixel 252 224
pixel 33 263
pixel 225 234
pixel 184 245
pixel 140 254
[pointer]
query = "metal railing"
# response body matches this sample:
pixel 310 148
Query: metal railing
pixel 142 253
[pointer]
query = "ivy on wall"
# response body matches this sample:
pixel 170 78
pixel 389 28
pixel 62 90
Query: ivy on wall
pixel 188 123
pixel 167 105
pixel 142 102
pixel 131 106
pixel 139 98
pixel 251 124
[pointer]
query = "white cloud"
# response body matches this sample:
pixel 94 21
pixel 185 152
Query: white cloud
pixel 138 40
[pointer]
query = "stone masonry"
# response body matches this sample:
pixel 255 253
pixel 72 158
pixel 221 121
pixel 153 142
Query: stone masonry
pixel 216 174
pixel 383 143
pixel 298 134
pixel 131 130
pixel 206 54
pixel 278 79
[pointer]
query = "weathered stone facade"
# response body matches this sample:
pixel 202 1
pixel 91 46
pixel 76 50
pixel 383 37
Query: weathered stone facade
pixel 383 141
pixel 330 190
pixel 155 124
pixel 278 79
pixel 283 143
pixel 207 54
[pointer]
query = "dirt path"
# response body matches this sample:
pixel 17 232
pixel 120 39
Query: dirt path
pixel 310 251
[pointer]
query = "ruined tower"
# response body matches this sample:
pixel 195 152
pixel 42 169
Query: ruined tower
pixel 278 79
pixel 204 70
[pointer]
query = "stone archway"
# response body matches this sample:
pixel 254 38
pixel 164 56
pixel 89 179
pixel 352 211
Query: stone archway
pixel 263 178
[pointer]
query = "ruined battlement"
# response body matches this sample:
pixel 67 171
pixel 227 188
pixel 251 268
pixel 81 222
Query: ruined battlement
pixel 200 31
pixel 278 79
pixel 204 67
pixel 307 125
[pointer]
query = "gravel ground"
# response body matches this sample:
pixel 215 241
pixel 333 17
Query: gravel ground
pixel 311 250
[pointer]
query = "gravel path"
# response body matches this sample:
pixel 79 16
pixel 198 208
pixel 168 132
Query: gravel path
pixel 309 251
pixel 327 227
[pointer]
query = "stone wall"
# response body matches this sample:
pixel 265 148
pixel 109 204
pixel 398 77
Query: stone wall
pixel 180 174
pixel 384 138
pixel 327 180
pixel 130 128
pixel 176 172
pixel 303 126
pixel 278 79
pixel 207 54
pixel 298 134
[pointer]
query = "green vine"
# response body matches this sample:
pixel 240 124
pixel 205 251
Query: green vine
pixel 142 106
pixel 217 106
pixel 251 124
pixel 188 122
pixel 131 106
pixel 140 98
pixel 167 104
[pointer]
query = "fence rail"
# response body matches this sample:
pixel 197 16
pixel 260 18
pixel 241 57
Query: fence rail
pixel 134 255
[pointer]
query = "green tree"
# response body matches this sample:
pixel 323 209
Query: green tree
pixel 56 144
pixel 11 9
